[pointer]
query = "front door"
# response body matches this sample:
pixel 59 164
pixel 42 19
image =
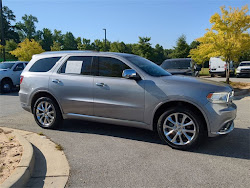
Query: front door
pixel 73 85
pixel 114 96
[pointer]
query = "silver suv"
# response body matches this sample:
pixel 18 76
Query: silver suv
pixel 127 90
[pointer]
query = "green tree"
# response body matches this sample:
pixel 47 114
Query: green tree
pixel 118 47
pixel 27 28
pixel 69 42
pixel 158 56
pixel 9 29
pixel 228 37
pixel 144 48
pixel 56 46
pixel 47 39
pixel 181 50
pixel 194 44
pixel 10 46
pixel 27 49
pixel 58 36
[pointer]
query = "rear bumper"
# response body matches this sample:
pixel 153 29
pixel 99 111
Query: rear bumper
pixel 23 97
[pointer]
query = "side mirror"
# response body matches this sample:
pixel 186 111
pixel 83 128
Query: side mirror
pixel 130 74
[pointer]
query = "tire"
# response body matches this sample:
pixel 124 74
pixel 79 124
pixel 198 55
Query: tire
pixel 6 86
pixel 47 113
pixel 237 76
pixel 212 75
pixel 174 135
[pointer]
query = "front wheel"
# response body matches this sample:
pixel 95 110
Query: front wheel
pixel 47 113
pixel 180 128
pixel 6 86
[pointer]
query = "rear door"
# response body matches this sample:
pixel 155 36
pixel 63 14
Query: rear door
pixel 116 97
pixel 72 84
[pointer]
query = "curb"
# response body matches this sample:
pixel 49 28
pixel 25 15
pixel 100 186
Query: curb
pixel 23 171
pixel 243 92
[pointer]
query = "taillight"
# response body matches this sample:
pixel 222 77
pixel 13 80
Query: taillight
pixel 21 79
pixel 225 66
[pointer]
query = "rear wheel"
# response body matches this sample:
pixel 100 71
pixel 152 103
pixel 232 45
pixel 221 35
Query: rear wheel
pixel 6 86
pixel 47 113
pixel 212 75
pixel 180 128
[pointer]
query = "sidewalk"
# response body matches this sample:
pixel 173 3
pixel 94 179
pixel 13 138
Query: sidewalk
pixel 51 168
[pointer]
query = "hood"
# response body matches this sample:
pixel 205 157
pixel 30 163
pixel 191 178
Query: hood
pixel 197 83
pixel 244 67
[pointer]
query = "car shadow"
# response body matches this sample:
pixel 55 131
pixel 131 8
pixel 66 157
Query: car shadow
pixel 234 145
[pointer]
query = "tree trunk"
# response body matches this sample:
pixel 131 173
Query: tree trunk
pixel 227 72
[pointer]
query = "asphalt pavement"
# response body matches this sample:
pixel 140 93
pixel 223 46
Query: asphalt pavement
pixel 113 156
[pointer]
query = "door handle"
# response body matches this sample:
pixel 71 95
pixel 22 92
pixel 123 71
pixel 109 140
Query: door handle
pixel 56 81
pixel 100 84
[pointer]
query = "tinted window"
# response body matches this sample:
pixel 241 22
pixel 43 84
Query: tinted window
pixel 111 67
pixel 176 64
pixel 148 66
pixel 244 64
pixel 6 65
pixel 44 65
pixel 19 66
pixel 77 65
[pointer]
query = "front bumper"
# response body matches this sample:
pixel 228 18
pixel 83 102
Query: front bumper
pixel 221 117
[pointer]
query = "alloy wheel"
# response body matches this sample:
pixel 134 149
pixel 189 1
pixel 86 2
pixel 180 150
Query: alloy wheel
pixel 179 129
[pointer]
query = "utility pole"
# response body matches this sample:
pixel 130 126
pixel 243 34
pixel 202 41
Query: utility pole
pixel 105 40
pixel 2 30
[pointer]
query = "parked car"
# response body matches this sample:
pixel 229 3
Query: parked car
pixel 10 74
pixel 243 69
pixel 181 66
pixel 218 67
pixel 125 89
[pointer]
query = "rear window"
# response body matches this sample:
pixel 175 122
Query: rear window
pixel 44 65
pixel 77 65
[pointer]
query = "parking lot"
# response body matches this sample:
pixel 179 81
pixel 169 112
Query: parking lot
pixel 113 156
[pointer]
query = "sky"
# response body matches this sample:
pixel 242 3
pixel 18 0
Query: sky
pixel 125 20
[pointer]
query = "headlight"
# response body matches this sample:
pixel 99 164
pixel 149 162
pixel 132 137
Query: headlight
pixel 222 97
pixel 237 70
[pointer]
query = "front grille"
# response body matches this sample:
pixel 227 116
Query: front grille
pixel 245 70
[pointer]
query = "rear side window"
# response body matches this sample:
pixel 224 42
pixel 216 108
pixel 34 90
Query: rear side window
pixel 110 67
pixel 44 65
pixel 77 65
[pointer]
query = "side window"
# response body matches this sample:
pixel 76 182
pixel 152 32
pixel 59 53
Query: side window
pixel 77 65
pixel 111 67
pixel 44 65
pixel 19 67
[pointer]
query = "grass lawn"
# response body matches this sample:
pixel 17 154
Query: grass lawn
pixel 204 72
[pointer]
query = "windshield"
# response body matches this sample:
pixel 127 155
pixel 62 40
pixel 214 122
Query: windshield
pixel 6 65
pixel 176 64
pixel 148 66
pixel 245 64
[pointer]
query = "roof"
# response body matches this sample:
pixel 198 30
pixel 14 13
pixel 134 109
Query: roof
pixel 14 62
pixel 245 62
pixel 84 51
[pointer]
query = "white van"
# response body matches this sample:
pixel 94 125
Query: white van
pixel 218 67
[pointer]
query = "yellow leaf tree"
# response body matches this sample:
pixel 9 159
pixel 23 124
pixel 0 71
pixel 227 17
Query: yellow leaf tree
pixel 27 49
pixel 228 37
